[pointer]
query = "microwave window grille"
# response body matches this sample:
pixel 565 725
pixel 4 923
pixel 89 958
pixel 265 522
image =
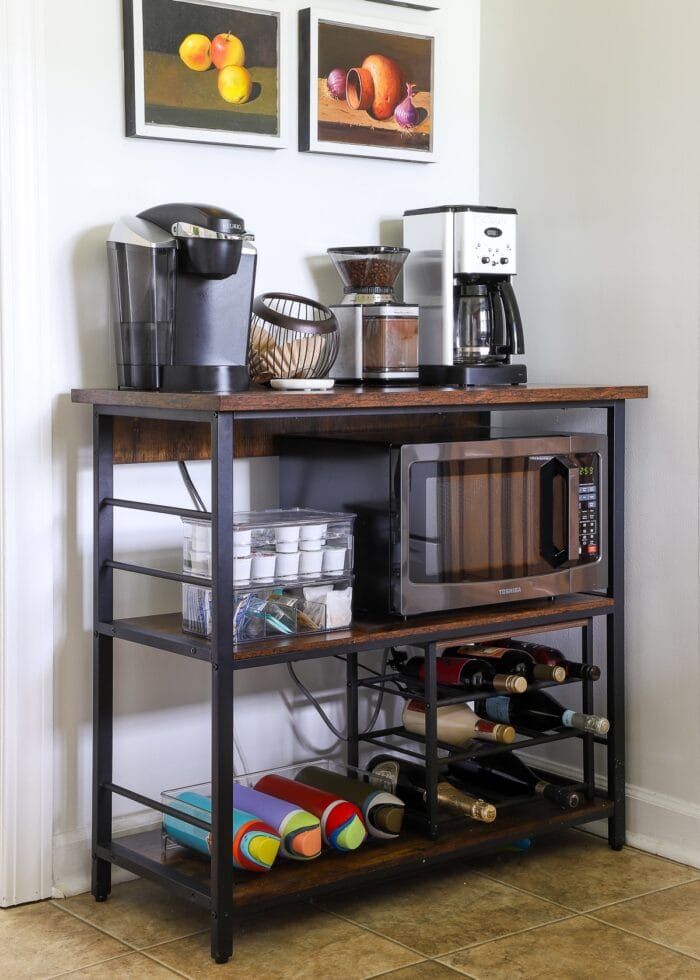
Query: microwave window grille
pixel 479 520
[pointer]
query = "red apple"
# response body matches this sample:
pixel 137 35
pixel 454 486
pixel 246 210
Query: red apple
pixel 227 49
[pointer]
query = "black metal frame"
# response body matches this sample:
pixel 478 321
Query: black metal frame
pixel 218 652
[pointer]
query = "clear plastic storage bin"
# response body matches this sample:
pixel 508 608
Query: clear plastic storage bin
pixel 292 573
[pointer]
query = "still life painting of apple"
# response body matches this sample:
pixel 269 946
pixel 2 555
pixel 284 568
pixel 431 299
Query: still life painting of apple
pixel 210 69
pixel 368 87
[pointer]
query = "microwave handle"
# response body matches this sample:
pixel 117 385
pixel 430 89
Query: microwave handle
pixel 566 467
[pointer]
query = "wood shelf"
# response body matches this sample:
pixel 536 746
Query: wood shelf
pixel 374 860
pixel 165 631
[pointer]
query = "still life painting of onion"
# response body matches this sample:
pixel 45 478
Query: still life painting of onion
pixel 372 88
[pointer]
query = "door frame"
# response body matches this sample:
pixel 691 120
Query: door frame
pixel 26 501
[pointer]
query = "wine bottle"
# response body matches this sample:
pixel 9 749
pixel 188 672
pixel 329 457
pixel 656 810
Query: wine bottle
pixel 510 660
pixel 407 781
pixel 457 724
pixel 540 711
pixel 465 672
pixel 508 775
pixel 542 654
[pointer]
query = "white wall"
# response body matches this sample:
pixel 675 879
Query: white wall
pixel 297 205
pixel 588 127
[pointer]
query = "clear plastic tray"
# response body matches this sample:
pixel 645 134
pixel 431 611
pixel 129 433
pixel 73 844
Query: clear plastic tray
pixel 280 546
pixel 273 610
pixel 172 797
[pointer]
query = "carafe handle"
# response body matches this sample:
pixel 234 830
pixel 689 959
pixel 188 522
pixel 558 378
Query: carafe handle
pixel 514 323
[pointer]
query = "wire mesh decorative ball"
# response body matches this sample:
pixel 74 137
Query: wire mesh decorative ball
pixel 291 338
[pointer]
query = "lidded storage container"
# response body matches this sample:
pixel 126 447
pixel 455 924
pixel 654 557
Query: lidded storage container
pixel 389 342
pixel 292 573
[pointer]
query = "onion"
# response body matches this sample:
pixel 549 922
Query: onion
pixel 405 113
pixel 336 83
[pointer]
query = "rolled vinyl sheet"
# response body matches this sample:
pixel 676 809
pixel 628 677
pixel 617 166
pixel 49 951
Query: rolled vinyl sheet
pixel 254 845
pixel 367 797
pixel 300 831
pixel 342 824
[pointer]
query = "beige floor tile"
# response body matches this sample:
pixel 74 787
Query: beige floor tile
pixel 439 911
pixel 671 917
pixel 575 949
pixel 40 941
pixel 291 943
pixel 581 872
pixel 427 970
pixel 140 913
pixel 134 966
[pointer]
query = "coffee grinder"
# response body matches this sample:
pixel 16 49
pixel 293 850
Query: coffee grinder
pixel 182 278
pixel 377 335
pixel 459 271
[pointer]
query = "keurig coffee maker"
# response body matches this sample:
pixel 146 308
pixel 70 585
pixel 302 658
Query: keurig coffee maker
pixel 459 270
pixel 182 279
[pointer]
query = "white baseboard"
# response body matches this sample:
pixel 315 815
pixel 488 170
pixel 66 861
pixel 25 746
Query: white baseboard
pixel 72 864
pixel 659 824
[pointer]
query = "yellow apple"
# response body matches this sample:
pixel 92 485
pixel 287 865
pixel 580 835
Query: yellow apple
pixel 195 51
pixel 235 84
pixel 227 49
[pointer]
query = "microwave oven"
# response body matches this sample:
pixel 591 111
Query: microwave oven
pixel 451 524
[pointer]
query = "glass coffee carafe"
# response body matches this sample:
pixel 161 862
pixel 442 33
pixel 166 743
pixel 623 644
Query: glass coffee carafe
pixel 479 325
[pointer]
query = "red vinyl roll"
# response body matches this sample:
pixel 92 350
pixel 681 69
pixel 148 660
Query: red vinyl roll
pixel 333 811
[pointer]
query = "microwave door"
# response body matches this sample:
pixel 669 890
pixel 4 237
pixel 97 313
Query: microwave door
pixel 559 514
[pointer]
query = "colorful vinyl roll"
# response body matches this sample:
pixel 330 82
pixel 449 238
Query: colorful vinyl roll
pixel 382 812
pixel 254 845
pixel 299 830
pixel 342 825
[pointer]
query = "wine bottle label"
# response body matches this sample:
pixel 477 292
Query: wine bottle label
pixel 448 671
pixel 495 652
pixel 498 709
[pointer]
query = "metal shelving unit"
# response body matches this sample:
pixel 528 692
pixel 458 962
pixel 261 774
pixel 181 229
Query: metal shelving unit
pixel 146 426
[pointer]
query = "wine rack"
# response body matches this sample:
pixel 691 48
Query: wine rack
pixel 139 427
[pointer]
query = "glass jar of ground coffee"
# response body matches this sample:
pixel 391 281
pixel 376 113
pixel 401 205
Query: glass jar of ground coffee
pixel 389 342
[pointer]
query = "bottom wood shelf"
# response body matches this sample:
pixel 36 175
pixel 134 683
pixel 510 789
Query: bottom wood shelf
pixel 333 871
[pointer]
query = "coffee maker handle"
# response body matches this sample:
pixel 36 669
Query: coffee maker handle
pixel 514 325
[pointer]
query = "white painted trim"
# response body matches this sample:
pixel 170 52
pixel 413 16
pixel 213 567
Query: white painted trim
pixel 26 559
pixel 676 821
pixel 72 862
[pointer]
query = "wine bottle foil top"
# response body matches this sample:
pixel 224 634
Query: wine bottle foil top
pixel 385 776
pixel 510 683
pixel 545 672
pixel 594 724
pixel 468 806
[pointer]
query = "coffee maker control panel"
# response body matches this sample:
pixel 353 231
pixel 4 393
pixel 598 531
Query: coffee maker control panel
pixel 484 242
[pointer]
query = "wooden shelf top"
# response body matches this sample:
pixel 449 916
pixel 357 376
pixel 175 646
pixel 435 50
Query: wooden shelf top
pixel 165 631
pixel 374 860
pixel 342 397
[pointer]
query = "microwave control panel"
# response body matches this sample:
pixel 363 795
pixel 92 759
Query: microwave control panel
pixel 588 506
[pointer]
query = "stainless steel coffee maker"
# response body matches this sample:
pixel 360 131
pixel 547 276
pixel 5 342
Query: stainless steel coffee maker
pixel 182 278
pixel 459 270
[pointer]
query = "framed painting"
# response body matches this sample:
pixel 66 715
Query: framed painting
pixel 366 87
pixel 207 72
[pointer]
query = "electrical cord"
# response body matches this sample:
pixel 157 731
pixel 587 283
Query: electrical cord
pixel 324 717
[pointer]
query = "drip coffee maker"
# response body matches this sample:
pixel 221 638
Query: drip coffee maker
pixel 377 334
pixel 462 260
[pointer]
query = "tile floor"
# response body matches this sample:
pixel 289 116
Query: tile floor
pixel 567 909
